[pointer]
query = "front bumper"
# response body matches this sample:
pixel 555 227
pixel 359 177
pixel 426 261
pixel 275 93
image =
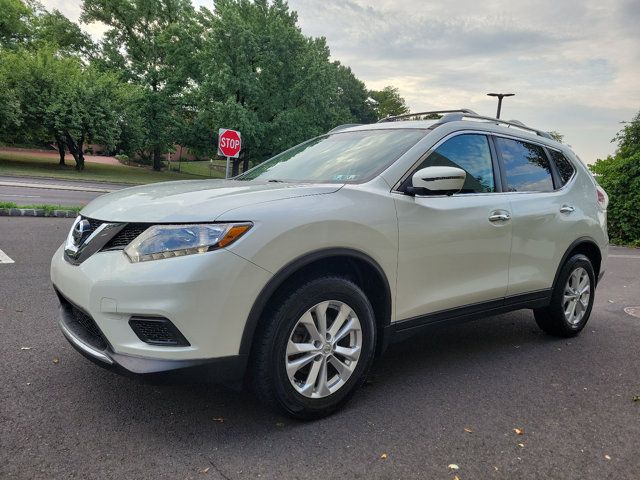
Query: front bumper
pixel 224 369
pixel 207 297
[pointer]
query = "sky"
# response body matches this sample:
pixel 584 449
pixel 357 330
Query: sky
pixel 574 65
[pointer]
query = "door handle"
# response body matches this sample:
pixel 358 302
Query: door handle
pixel 567 209
pixel 499 217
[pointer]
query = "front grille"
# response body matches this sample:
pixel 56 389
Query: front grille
pixel 157 331
pixel 82 325
pixel 125 236
pixel 94 223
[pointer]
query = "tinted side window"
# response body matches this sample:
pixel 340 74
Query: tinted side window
pixel 564 166
pixel 526 165
pixel 471 153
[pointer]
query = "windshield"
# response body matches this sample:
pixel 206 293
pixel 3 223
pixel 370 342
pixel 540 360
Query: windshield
pixel 339 157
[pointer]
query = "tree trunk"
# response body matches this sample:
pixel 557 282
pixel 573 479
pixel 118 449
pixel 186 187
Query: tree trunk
pixel 235 167
pixel 80 147
pixel 76 150
pixel 157 158
pixel 245 161
pixel 61 150
pixel 73 150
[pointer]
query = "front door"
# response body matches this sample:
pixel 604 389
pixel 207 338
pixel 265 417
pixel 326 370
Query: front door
pixel 454 250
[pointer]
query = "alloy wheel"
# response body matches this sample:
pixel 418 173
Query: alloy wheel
pixel 577 293
pixel 323 349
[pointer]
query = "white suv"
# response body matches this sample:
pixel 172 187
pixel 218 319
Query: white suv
pixel 297 273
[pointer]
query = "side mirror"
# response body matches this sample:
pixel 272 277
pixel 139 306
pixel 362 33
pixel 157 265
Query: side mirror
pixel 437 181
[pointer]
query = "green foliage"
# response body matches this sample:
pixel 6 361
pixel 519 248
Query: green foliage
pixel 48 209
pixel 258 73
pixel 53 28
pixel 352 95
pixel 165 74
pixel 388 102
pixel 10 113
pixel 557 136
pixel 29 25
pixel 122 158
pixel 619 175
pixel 14 22
pixel 60 98
pixel 150 43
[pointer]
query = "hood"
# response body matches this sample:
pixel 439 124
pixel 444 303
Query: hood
pixel 193 200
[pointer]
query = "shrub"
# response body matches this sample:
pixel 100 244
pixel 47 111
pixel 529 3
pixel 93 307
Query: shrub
pixel 122 158
pixel 619 175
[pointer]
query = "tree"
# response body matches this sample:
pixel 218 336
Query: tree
pixel 33 78
pixel 10 113
pixel 59 98
pixel 53 28
pixel 259 74
pixel 14 23
pixel 151 43
pixel 557 136
pixel 85 110
pixel 388 102
pixel 619 175
pixel 352 96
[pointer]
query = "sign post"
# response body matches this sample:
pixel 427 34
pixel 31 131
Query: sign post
pixel 229 145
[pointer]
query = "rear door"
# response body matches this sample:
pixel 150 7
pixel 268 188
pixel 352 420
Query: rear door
pixel 454 249
pixel 543 213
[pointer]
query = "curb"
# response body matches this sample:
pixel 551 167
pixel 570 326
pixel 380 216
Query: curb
pixel 36 212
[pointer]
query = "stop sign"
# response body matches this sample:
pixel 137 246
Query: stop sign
pixel 229 143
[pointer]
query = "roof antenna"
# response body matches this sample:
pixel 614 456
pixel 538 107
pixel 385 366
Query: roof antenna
pixel 500 97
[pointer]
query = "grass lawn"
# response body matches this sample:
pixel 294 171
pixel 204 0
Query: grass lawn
pixel 47 167
pixel 200 168
pixel 46 207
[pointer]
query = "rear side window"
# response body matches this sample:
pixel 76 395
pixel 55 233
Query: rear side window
pixel 565 169
pixel 471 153
pixel 526 166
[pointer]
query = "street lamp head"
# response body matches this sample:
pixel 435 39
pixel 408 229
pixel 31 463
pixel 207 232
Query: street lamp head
pixel 500 96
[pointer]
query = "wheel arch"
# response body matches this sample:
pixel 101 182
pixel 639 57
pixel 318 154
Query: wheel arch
pixel 356 265
pixel 586 246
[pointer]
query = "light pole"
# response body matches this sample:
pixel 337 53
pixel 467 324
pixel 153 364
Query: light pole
pixel 500 97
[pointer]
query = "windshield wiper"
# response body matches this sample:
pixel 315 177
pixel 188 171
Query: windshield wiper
pixel 274 180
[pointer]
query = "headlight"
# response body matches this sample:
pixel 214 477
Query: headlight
pixel 166 241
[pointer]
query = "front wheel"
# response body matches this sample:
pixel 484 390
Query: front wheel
pixel 571 301
pixel 315 349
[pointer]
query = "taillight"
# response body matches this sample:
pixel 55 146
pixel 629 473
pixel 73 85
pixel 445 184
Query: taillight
pixel 603 198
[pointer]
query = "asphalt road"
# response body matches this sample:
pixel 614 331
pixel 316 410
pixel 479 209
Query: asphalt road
pixel 63 417
pixel 15 189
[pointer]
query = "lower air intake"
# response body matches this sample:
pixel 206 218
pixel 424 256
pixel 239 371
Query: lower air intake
pixel 158 331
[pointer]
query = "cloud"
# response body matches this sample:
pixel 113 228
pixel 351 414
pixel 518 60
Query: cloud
pixel 574 65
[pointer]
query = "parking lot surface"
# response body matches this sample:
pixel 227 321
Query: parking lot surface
pixel 452 397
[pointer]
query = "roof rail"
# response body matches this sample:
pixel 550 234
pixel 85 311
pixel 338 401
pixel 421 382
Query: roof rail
pixel 342 127
pixel 422 114
pixel 497 121
pixel 461 114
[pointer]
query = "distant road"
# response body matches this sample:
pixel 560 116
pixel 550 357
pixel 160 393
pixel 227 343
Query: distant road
pixel 29 191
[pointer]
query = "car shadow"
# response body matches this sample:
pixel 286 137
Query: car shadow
pixel 437 360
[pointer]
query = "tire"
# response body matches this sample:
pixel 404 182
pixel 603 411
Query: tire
pixel 558 318
pixel 293 390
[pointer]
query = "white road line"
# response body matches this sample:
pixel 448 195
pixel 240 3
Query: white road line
pixel 4 258
pixel 47 186
pixel 19 196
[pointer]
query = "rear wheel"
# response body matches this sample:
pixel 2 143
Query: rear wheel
pixel 315 349
pixel 571 301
